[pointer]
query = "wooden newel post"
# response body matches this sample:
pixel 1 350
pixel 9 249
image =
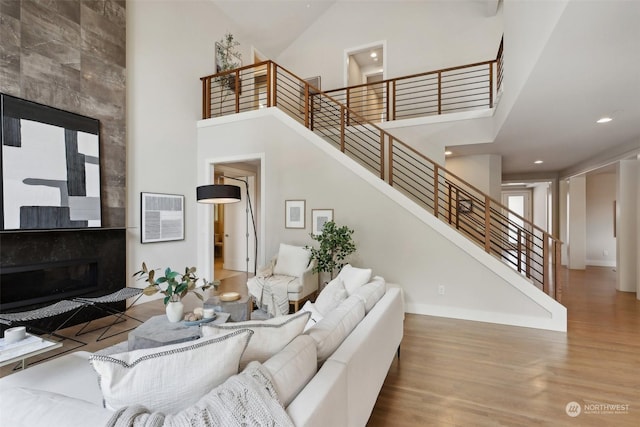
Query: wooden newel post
pixel 342 118
pixel 487 224
pixel 206 98
pixel 306 105
pixel 237 90
pixel 269 84
pixel 491 85
pixel 382 156
pixel 436 174
pixel 545 264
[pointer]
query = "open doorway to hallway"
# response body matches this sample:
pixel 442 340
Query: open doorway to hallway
pixel 365 68
pixel 235 224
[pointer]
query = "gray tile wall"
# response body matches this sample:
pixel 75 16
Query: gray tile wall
pixel 70 54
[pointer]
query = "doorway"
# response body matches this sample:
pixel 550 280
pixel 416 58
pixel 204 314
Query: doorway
pixel 234 250
pixel 365 68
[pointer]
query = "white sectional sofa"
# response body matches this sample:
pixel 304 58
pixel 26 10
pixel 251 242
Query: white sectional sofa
pixel 342 392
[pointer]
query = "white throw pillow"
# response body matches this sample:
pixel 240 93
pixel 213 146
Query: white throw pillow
pixel 169 378
pixel 371 292
pixel 315 316
pixel 336 326
pixel 354 277
pixel 293 367
pixel 269 337
pixel 292 260
pixel 332 295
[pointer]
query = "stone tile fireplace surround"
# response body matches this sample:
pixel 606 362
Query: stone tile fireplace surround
pixel 86 262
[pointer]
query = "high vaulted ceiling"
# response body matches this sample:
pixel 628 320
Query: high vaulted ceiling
pixel 589 68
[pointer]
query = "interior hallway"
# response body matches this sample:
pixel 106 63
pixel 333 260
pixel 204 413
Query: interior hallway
pixel 461 373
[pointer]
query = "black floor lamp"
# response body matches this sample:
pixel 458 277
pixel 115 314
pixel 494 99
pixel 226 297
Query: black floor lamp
pixel 223 193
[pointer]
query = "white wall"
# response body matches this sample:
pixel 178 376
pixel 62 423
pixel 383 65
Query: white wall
pixel 540 201
pixel 627 225
pixel 563 217
pixel 577 230
pixel 406 245
pixel 601 245
pixel 167 54
pixel 414 32
pixel 484 171
pixel 528 25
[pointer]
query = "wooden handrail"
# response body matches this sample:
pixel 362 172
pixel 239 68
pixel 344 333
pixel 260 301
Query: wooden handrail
pixel 371 142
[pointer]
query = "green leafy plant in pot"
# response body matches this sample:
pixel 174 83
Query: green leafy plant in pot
pixel 336 244
pixel 174 286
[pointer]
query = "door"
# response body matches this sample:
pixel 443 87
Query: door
pixel 520 243
pixel 239 235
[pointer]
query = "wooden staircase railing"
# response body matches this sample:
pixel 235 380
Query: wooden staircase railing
pixel 506 235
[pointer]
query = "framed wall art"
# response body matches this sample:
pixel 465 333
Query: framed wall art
pixel 465 206
pixel 162 217
pixel 294 214
pixel 50 167
pixel 318 219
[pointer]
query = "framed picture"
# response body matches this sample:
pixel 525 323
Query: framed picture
pixel 162 217
pixel 294 214
pixel 50 167
pixel 315 100
pixel 465 206
pixel 318 218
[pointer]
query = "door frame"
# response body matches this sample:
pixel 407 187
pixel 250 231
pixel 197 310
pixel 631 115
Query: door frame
pixel 205 215
pixel 353 50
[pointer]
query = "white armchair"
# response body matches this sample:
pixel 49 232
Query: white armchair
pixel 288 279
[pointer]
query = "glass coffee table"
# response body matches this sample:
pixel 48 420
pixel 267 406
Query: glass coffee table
pixel 31 345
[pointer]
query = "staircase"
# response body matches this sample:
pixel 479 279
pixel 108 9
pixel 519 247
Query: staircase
pixel 528 249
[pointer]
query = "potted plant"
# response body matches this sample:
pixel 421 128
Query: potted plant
pixel 174 286
pixel 335 245
pixel 227 58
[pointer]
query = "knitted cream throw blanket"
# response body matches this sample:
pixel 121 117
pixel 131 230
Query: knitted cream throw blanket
pixel 246 399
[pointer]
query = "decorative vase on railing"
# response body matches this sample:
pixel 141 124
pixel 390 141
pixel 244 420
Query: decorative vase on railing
pixel 175 310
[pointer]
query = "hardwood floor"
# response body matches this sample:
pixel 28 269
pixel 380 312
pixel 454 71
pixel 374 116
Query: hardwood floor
pixel 461 373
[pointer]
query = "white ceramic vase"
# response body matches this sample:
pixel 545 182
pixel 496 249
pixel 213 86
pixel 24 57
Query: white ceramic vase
pixel 175 311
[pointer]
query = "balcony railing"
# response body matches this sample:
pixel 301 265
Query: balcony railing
pixel 449 90
pixel 506 235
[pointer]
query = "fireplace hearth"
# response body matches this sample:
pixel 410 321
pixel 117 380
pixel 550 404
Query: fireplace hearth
pixel 38 268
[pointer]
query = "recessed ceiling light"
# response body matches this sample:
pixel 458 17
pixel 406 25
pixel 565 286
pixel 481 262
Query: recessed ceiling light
pixel 448 153
pixel 604 120
pixel 373 54
pixel 538 162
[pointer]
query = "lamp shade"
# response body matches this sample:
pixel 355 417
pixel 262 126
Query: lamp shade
pixel 218 193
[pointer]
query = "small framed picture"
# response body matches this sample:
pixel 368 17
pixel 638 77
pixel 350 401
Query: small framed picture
pixel 294 214
pixel 161 217
pixel 318 219
pixel 465 206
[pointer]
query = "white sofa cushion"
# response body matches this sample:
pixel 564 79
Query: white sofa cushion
pixel 292 260
pixel 172 377
pixel 270 336
pixel 25 407
pixel 331 296
pixel 70 375
pixel 354 277
pixel 315 315
pixel 371 293
pixel 336 326
pixel 293 367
